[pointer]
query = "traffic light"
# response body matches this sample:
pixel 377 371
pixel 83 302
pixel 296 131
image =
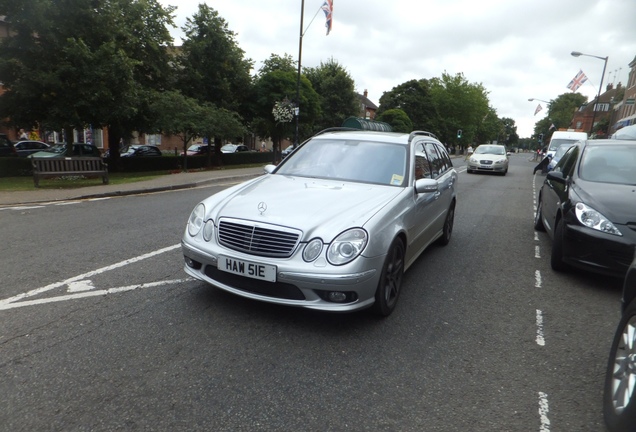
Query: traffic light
pixel 459 133
pixel 540 138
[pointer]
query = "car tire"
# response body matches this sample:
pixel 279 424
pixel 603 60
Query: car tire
pixel 556 259
pixel 447 231
pixel 538 218
pixel 619 401
pixel 390 284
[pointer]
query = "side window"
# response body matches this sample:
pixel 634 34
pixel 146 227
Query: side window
pixel 437 164
pixel 448 164
pixel 566 164
pixel 422 165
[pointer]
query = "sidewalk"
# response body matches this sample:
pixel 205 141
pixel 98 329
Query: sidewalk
pixel 162 183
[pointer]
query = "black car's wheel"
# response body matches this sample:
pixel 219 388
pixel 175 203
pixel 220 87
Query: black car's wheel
pixel 448 226
pixel 389 287
pixel 619 399
pixel 556 260
pixel 538 217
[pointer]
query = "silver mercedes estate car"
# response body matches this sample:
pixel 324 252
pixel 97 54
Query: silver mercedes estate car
pixel 333 227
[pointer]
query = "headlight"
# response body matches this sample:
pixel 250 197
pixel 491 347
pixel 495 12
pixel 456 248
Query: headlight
pixel 196 220
pixel 593 219
pixel 474 160
pixel 347 246
pixel 500 161
pixel 312 250
pixel 208 230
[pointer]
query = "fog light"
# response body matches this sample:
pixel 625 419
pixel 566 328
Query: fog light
pixel 192 263
pixel 337 297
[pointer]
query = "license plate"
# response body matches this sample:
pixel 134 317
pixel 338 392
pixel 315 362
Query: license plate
pixel 247 268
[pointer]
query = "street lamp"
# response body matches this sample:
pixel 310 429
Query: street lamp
pixel 540 100
pixel 600 87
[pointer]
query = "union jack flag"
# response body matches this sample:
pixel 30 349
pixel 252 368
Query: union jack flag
pixel 327 7
pixel 577 81
pixel 539 108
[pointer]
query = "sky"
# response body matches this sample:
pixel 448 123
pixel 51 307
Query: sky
pixel 517 49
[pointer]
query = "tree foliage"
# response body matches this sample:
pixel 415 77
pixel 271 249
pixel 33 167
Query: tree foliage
pixel 73 63
pixel 560 113
pixel 397 119
pixel 212 67
pixel 461 105
pixel 336 89
pixel 275 85
pixel 415 99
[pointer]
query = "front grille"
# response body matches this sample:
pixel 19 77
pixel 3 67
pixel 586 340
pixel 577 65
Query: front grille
pixel 257 239
pixel 486 162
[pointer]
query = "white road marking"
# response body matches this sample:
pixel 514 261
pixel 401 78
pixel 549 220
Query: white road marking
pixel 537 252
pixel 537 279
pixel 543 412
pixel 22 207
pixel 83 285
pixel 86 275
pixel 63 203
pixel 540 339
pixel 86 294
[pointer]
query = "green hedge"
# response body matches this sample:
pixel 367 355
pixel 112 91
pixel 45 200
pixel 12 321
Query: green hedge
pixel 15 167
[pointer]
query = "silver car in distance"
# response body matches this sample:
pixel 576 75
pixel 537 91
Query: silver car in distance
pixel 333 227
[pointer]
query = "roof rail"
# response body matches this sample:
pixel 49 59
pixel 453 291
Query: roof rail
pixel 421 133
pixel 337 129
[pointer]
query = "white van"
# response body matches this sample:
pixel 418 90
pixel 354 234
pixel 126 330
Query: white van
pixel 566 137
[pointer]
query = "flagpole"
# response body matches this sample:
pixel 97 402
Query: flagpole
pixel 300 54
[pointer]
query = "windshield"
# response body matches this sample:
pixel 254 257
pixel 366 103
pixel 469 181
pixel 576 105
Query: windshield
pixel 609 164
pixel 557 143
pixel 490 149
pixel 359 161
pixel 561 151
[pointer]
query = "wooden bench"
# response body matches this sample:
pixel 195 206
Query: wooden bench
pixel 68 166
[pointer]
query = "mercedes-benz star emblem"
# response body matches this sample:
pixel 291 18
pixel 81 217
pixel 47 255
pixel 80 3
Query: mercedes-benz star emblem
pixel 262 207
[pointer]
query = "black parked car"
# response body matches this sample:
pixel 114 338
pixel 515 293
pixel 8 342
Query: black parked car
pixel 141 151
pixel 587 205
pixel 27 147
pixel 6 147
pixel 619 401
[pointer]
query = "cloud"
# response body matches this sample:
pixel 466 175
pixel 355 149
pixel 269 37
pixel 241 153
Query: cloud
pixel 516 49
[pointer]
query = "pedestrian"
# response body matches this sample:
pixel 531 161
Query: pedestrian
pixel 542 166
pixel 469 152
pixel 263 148
pixel 22 135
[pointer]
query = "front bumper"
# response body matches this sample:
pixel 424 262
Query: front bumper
pixel 598 252
pixel 297 283
pixel 476 166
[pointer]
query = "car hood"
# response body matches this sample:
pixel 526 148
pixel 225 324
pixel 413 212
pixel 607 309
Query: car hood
pixel 615 201
pixel 320 208
pixel 486 156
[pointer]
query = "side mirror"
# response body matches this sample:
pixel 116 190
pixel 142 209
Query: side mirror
pixel 556 176
pixel 426 186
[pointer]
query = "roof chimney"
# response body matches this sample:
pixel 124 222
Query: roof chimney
pixel 366 93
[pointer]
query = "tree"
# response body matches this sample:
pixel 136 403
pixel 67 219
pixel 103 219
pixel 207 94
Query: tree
pixel 72 63
pixel 560 114
pixel 277 85
pixel 415 99
pixel 461 105
pixel 398 119
pixel 213 68
pixel 335 87
pixel 187 118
